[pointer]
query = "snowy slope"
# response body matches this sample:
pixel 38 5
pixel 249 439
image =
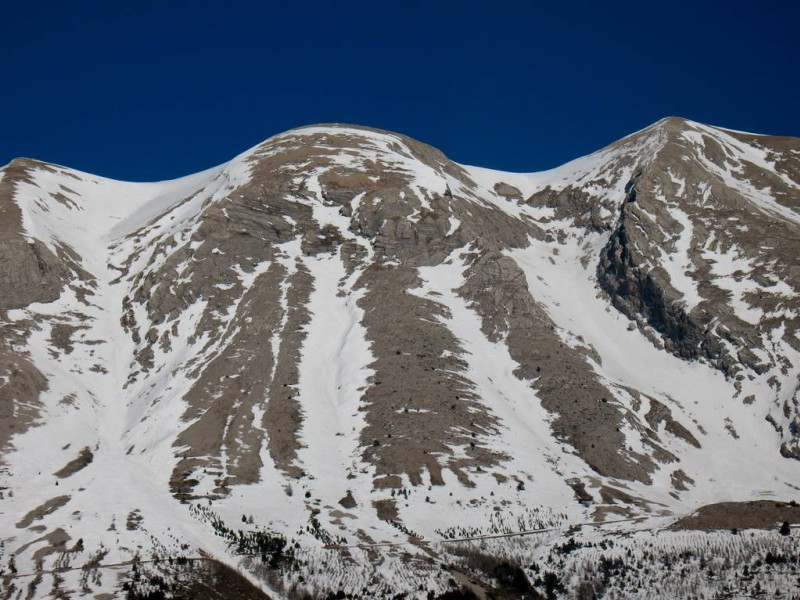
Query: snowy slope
pixel 343 340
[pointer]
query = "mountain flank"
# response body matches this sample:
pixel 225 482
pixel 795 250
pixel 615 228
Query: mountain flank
pixel 342 365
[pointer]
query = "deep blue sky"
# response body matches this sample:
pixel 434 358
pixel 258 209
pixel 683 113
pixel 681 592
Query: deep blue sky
pixel 153 90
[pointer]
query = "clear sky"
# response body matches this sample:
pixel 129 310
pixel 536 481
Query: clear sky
pixel 145 90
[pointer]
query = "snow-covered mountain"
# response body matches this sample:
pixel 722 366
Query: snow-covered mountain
pixel 334 361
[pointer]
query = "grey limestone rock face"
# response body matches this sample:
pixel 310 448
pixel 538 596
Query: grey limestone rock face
pixel 640 291
pixel 29 271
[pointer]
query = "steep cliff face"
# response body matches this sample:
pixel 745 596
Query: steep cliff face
pixel 341 337
pixel 705 251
